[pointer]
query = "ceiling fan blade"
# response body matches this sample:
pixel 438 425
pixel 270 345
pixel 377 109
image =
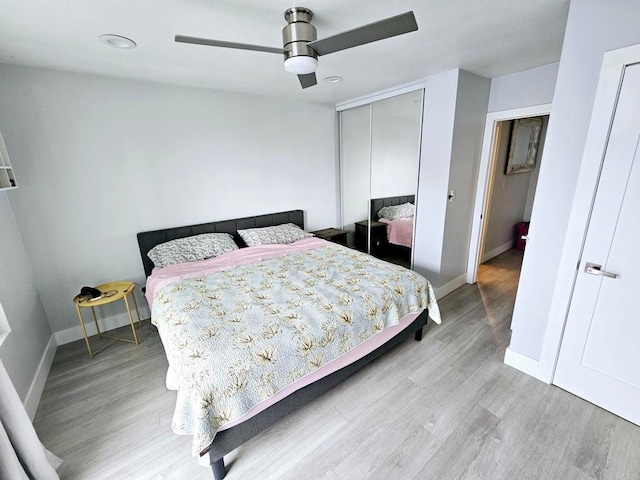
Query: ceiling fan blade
pixel 220 43
pixel 389 27
pixel 308 80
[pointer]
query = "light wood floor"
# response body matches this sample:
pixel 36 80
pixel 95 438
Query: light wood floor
pixel 445 408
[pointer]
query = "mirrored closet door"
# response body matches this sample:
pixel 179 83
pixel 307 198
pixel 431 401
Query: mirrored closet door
pixel 379 157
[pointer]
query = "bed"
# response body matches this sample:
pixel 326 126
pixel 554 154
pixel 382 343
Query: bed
pixel 226 437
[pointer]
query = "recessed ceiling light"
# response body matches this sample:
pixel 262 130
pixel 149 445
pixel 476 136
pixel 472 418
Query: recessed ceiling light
pixel 333 79
pixel 117 41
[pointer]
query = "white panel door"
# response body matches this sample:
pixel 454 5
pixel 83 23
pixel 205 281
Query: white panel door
pixel 600 353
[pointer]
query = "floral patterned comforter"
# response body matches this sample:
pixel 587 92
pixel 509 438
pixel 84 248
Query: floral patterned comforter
pixel 238 336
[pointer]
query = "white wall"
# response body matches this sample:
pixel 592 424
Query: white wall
pixel 433 182
pixel 99 159
pixel 523 89
pixel 455 111
pixel 25 344
pixel 593 28
pixel 470 115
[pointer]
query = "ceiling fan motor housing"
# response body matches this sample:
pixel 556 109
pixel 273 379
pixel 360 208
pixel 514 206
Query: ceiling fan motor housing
pixel 298 33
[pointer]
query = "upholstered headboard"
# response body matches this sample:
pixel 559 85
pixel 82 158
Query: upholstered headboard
pixel 148 240
pixel 378 203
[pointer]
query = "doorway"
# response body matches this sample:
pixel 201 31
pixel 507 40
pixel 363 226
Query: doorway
pixel 507 181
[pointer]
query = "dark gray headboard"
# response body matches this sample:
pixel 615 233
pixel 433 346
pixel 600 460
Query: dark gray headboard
pixel 378 203
pixel 148 240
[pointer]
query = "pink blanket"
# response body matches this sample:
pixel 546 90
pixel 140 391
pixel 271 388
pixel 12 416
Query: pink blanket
pixel 399 231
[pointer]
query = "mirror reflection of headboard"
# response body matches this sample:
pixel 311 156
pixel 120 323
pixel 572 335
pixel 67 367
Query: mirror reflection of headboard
pixel 378 203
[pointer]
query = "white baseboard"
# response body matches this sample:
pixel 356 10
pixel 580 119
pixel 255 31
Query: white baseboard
pixel 521 362
pixel 109 323
pixel 497 251
pixel 34 394
pixel 447 288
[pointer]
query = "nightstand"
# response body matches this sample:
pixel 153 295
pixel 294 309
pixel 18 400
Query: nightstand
pixel 110 293
pixel 333 235
pixel 378 236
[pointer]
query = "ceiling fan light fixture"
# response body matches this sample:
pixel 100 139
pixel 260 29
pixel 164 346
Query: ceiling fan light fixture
pixel 301 65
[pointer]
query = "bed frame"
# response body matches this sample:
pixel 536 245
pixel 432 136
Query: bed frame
pixel 230 439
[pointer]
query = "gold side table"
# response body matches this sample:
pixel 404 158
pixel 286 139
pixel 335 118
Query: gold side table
pixel 110 293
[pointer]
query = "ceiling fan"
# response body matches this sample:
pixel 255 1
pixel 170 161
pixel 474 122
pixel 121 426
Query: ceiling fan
pixel 301 49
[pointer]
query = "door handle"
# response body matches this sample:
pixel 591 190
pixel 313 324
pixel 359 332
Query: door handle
pixel 593 269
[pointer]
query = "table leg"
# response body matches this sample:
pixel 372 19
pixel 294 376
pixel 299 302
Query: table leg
pixel 135 303
pixel 133 327
pixel 95 320
pixel 84 331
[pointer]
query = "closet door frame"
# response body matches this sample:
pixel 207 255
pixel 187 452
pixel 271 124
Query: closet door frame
pixel 382 95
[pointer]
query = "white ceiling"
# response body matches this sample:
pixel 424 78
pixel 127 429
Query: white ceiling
pixel 486 37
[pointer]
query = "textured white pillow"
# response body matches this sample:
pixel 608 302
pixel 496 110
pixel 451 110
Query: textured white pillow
pixel 285 233
pixel 397 211
pixel 191 249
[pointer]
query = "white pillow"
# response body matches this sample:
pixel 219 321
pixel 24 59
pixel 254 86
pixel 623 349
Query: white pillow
pixel 285 233
pixel 397 211
pixel 191 249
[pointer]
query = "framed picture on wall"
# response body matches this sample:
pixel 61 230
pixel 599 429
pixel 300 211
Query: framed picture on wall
pixel 523 146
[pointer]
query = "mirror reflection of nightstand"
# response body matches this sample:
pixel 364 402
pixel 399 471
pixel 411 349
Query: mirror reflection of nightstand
pixel 333 235
pixel 378 236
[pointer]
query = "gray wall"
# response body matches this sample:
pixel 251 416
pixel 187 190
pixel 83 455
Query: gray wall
pixel 23 348
pixel 593 28
pixel 99 159
pixel 511 196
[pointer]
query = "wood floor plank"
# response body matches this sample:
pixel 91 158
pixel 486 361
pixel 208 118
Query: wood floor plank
pixel 444 408
pixel 361 430
pixel 499 399
pixel 454 457
pixel 281 460
pixel 411 455
pixel 589 452
pixel 392 428
pixel 623 460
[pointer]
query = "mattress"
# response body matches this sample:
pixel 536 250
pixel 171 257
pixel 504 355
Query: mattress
pixel 245 329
